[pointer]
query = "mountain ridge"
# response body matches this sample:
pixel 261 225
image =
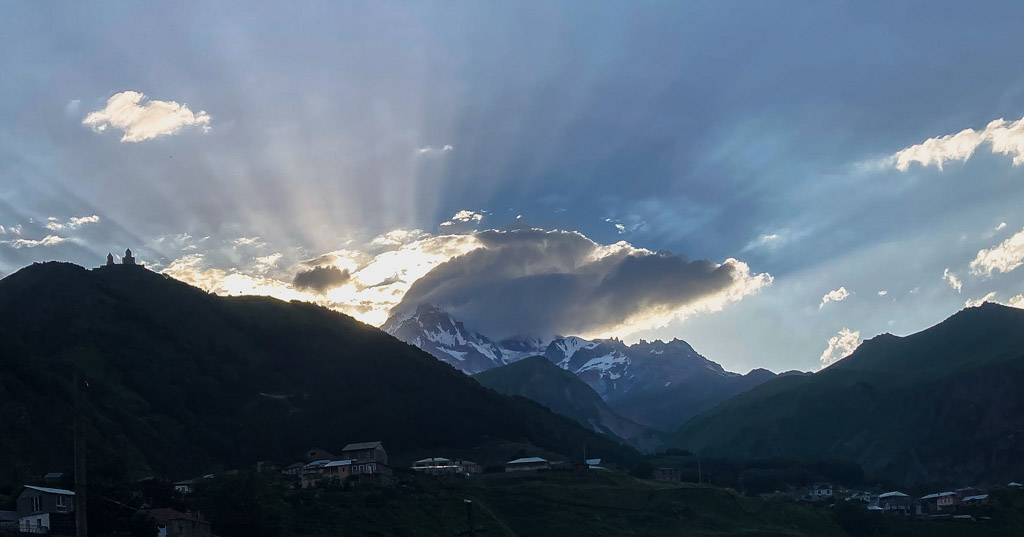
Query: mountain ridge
pixel 182 382
pixel 942 405
pixel 657 384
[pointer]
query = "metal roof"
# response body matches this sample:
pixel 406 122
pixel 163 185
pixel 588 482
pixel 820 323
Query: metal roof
pixel 432 459
pixel 978 497
pixel 363 445
pixel 526 460
pixel 337 463
pixel 51 491
pixel 894 494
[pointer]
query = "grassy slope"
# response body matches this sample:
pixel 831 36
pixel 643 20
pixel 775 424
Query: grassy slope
pixel 179 381
pixel 598 504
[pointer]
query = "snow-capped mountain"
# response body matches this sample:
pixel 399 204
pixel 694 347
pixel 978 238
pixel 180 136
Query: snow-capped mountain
pixel 658 384
pixel 448 340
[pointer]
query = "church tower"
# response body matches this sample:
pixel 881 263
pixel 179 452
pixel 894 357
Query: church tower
pixel 110 259
pixel 128 258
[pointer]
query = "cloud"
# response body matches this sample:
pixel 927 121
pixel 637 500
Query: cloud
pixel 379 274
pixel 836 295
pixel 10 230
pixel 1005 257
pixel 49 240
pixel 75 222
pixel 142 119
pixel 320 279
pixel 840 346
pixel 398 237
pixel 464 217
pixel 883 292
pixel 973 303
pixel 431 149
pixel 1016 302
pixel 1001 226
pixel 952 280
pixel 545 282
pixel 631 224
pixel 1005 137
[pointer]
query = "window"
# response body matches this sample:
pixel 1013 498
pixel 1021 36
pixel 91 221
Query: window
pixel 62 505
pixel 37 504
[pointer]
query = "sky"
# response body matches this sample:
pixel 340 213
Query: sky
pixel 772 182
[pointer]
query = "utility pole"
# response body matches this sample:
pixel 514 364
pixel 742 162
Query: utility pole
pixel 81 523
pixel 700 478
pixel 473 530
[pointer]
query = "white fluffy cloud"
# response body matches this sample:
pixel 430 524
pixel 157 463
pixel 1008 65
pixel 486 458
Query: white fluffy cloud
pixel 141 119
pixel 952 280
pixel 1001 226
pixel 883 292
pixel 840 346
pixel 464 217
pixel 1005 257
pixel 55 224
pixel 1005 137
pixel 836 295
pixel 49 240
pixel 1016 302
pixel 975 302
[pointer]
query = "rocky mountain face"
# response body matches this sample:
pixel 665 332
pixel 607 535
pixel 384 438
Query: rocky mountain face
pixel 657 384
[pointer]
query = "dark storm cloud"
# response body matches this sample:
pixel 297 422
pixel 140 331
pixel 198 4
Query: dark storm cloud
pixel 321 279
pixel 541 282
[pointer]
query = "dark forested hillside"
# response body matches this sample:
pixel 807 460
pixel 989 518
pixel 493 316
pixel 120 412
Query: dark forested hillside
pixel 941 406
pixel 181 382
pixel 537 378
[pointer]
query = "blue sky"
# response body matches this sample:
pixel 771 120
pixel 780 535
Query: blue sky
pixel 760 132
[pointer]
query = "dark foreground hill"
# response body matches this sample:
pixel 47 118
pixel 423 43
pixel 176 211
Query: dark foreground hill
pixel 941 406
pixel 182 382
pixel 539 379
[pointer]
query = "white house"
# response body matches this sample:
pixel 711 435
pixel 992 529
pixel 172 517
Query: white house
pixel 527 464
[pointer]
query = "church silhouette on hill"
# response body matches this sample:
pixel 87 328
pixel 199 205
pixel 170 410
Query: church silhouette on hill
pixel 128 258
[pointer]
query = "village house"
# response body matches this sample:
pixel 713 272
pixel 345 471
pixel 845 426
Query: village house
pixel 869 498
pixel 668 475
pixel 527 464
pixel 313 473
pixel 895 501
pixel 818 492
pixel 184 487
pixel 437 466
pixel 369 462
pixel 46 510
pixel 317 454
pixel 947 501
pixel 337 470
pixel 470 467
pixel 172 523
pixel 975 500
pixel 294 469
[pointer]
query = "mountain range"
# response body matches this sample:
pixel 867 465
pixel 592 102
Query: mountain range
pixel 656 384
pixel 177 382
pixel 539 379
pixel 941 406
